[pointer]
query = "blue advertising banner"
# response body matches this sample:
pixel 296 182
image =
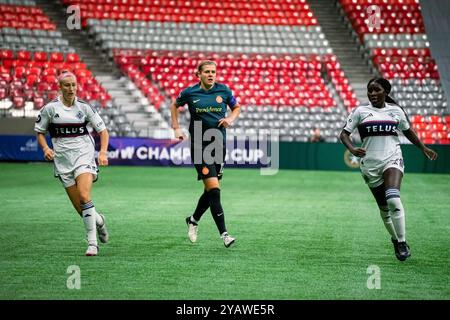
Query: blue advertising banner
pixel 142 151
pixel 160 152
pixel 20 148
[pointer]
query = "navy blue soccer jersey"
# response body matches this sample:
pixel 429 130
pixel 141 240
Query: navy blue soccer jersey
pixel 207 106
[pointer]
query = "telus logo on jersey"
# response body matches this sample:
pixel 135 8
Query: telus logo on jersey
pixel 58 130
pixel 68 130
pixel 378 128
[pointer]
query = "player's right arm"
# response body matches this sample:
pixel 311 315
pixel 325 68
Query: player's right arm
pixel 49 154
pixel 350 125
pixel 41 126
pixel 180 101
pixel 345 138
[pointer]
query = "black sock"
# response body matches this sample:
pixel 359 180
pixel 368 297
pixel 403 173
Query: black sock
pixel 216 209
pixel 202 206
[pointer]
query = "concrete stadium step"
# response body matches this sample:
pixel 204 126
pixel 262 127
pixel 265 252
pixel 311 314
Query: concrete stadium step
pixel 344 45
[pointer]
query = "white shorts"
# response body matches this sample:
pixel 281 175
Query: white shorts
pixel 373 173
pixel 68 179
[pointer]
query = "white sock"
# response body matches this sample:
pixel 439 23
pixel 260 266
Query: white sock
pixel 384 213
pixel 397 213
pixel 98 219
pixel 89 217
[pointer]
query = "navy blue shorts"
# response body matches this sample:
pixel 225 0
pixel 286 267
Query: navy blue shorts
pixel 205 171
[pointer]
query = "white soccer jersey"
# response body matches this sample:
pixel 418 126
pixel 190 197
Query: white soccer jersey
pixel 72 143
pixel 378 129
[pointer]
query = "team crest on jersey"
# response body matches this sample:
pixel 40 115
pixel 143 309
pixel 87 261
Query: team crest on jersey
pixel 80 115
pixel 393 116
pixel 38 118
pixel 219 99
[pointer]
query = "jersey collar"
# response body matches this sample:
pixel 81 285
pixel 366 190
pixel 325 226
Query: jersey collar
pixel 75 102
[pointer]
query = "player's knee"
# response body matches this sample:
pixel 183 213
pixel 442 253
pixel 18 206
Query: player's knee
pixel 214 193
pixel 214 201
pixel 85 197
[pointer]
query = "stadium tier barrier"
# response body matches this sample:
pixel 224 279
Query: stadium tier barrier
pixel 291 155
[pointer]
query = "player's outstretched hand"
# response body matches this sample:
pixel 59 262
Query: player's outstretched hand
pixel 359 152
pixel 225 122
pixel 102 158
pixel 179 134
pixel 49 154
pixel 430 154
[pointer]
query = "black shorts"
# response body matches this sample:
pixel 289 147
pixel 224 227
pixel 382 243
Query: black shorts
pixel 205 171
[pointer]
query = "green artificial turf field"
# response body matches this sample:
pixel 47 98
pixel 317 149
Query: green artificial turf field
pixel 300 235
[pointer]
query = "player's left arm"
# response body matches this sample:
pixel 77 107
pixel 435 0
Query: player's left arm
pixel 103 153
pixel 411 135
pixel 405 125
pixel 99 125
pixel 228 121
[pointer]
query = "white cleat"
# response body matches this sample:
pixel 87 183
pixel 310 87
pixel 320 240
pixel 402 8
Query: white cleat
pixel 103 234
pixel 92 250
pixel 192 230
pixel 227 240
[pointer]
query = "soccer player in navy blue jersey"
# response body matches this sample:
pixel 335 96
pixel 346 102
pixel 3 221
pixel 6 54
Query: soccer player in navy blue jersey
pixel 379 123
pixel 207 102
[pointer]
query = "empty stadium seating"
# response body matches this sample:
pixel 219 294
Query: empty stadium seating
pixel 32 54
pixel 273 55
pixel 32 76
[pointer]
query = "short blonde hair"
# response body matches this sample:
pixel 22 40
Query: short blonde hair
pixel 206 63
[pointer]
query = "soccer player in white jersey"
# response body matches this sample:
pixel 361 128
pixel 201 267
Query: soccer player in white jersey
pixel 65 118
pixel 379 123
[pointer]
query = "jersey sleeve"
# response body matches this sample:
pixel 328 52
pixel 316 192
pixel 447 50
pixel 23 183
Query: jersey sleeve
pixel 403 124
pixel 231 99
pixel 94 119
pixel 352 120
pixel 182 98
pixel 42 120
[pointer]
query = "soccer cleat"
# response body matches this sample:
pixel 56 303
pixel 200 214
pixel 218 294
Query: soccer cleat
pixel 395 243
pixel 103 234
pixel 403 251
pixel 92 250
pixel 192 230
pixel 227 240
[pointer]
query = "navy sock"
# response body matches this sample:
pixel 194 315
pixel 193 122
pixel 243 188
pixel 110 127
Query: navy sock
pixel 202 206
pixel 216 209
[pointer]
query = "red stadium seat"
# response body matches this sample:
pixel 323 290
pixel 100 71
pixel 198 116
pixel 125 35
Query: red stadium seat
pixel 18 102
pixel 52 94
pixel 56 57
pixel 40 56
pixel 38 103
pixel 3 93
pixel 24 55
pixel 72 57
